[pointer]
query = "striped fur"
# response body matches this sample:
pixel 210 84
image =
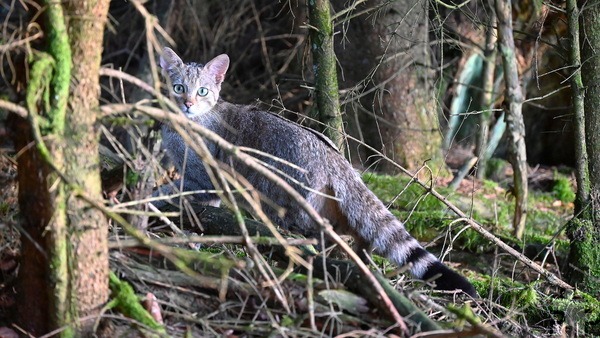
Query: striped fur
pixel 353 210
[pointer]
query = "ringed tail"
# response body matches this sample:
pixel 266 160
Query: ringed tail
pixel 373 223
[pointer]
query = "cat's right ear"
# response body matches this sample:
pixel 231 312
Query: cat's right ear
pixel 169 60
pixel 217 67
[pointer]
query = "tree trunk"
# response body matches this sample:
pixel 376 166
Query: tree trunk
pixel 41 283
pixel 324 66
pixel 577 103
pixel 35 305
pixel 406 99
pixel 487 97
pixel 514 118
pixel 63 275
pixel 584 232
pixel 87 226
pixel 392 103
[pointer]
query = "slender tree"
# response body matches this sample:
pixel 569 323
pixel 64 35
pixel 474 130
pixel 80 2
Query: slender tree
pixel 514 117
pixel 489 71
pixel 584 231
pixel 324 66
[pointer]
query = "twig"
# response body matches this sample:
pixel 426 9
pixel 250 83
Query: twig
pixel 452 6
pixel 310 295
pixel 167 221
pixel 110 72
pixel 13 44
pixel 14 108
pixel 220 239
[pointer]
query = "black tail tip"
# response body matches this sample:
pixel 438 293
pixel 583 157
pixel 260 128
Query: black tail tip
pixel 448 279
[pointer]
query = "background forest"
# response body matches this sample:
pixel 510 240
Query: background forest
pixel 474 121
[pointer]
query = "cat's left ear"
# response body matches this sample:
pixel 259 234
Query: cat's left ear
pixel 169 59
pixel 217 67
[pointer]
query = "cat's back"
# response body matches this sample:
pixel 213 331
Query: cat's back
pixel 266 131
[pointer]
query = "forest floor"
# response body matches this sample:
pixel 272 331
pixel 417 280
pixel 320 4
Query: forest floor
pixel 515 301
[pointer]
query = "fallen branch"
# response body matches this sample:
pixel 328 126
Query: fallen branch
pixel 216 239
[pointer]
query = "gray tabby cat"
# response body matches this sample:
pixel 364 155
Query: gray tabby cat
pixel 355 210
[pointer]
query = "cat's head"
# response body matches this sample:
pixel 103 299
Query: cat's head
pixel 194 87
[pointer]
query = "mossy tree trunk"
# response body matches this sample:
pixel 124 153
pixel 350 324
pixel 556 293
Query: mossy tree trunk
pixel 577 104
pixel 63 275
pixel 324 66
pixel 514 118
pixel 584 231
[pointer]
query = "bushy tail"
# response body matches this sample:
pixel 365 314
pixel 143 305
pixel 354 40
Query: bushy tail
pixel 374 224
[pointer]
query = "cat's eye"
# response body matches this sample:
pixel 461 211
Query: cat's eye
pixel 203 91
pixel 178 88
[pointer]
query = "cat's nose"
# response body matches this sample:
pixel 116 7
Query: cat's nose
pixel 189 103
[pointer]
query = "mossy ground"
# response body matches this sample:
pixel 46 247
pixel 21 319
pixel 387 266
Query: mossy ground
pixel 496 276
pixel 488 203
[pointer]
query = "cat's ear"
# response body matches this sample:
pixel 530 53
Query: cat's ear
pixel 169 59
pixel 217 67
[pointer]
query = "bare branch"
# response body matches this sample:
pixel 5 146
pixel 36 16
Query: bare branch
pixel 14 108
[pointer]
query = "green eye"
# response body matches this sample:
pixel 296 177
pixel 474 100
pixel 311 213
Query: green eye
pixel 178 88
pixel 203 91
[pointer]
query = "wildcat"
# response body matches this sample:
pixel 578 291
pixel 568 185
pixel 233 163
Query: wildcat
pixel 355 210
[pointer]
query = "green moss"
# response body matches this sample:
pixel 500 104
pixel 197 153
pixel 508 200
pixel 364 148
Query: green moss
pixel 132 177
pixel 120 121
pixel 422 224
pixel 4 208
pixel 426 217
pixel 495 167
pixel 580 308
pixel 562 189
pixel 508 293
pixel 207 262
pixel 584 256
pixel 542 222
pixel 39 78
pixel 489 185
pixel 464 313
pixel 60 50
pixel 403 194
pixel 126 301
pixel 287 321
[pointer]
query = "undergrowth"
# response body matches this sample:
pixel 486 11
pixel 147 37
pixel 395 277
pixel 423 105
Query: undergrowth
pixel 492 206
pixel 514 293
